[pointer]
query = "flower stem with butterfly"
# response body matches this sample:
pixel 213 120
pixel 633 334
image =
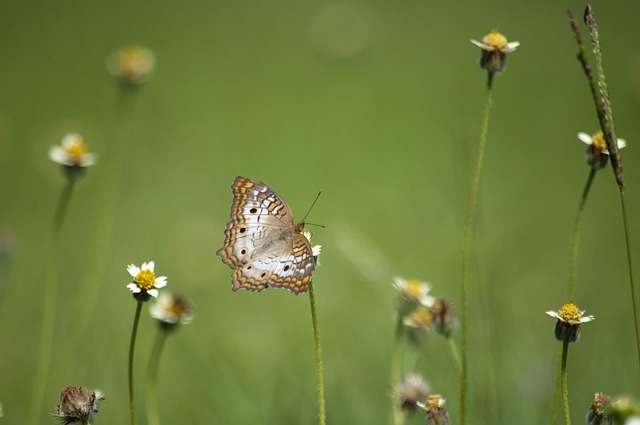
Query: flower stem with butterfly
pixel 266 248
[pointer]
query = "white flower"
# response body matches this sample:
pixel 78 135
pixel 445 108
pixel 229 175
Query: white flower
pixel 171 310
pixel 73 152
pixel 496 41
pixel 598 141
pixel 569 313
pixel 145 280
pixel 132 64
pixel 414 290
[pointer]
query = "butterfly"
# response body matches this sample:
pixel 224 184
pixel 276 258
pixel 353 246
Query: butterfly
pixel 263 245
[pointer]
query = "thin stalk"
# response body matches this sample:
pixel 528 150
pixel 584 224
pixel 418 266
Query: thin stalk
pixel 316 338
pixel 556 392
pixel 152 378
pixel 605 117
pixel 473 194
pixel 50 300
pixel 396 359
pixel 455 355
pixel 132 345
pixel 631 281
pixel 576 233
pixel 565 391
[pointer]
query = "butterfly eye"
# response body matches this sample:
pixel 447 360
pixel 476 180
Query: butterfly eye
pixel 253 210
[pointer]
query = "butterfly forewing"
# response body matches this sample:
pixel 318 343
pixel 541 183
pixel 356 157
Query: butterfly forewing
pixel 262 243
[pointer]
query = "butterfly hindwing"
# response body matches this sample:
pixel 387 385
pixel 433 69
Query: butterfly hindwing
pixel 294 269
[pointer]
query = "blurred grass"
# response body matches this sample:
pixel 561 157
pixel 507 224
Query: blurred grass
pixel 389 133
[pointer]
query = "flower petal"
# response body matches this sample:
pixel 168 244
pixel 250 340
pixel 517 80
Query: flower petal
pixel 479 44
pixel 148 266
pixel 585 138
pixel 153 292
pixel 553 314
pixel 161 282
pixel 134 288
pixel 133 270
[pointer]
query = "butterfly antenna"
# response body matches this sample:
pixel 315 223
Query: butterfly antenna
pixel 312 205
pixel 315 224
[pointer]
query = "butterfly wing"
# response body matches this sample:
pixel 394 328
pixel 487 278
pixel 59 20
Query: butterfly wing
pixel 293 270
pixel 253 237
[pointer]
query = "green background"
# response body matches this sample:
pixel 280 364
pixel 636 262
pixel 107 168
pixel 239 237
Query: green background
pixel 379 104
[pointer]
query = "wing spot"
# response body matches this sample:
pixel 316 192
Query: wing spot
pixel 253 210
pixel 249 267
pixel 243 251
pixel 263 274
pixel 243 229
pixel 286 268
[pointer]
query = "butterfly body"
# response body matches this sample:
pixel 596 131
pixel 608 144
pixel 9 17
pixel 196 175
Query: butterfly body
pixel 263 245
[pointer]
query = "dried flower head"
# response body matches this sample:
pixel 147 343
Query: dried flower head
pixel 72 155
pixel 494 51
pixel 170 310
pixel 597 154
pixel 436 412
pixel 569 320
pixel 413 294
pixel 412 390
pixel 600 411
pixel 444 321
pixel 132 65
pixel 145 283
pixel 78 404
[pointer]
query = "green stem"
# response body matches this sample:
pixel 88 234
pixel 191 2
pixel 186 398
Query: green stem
pixel 576 234
pixel 565 392
pixel 50 300
pixel 473 194
pixel 556 392
pixel 455 355
pixel 316 338
pixel 132 345
pixel 631 281
pixel 152 378
pixel 396 360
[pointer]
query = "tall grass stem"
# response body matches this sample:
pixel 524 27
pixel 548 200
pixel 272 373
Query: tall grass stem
pixel 396 359
pixel 132 346
pixel 473 194
pixel 565 391
pixel 576 234
pixel 50 300
pixel 152 378
pixel 316 339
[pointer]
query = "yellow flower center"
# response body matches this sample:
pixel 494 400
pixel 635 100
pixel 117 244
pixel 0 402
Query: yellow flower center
pixel 598 141
pixel 77 149
pixel 434 402
pixel 177 307
pixel 496 40
pixel 413 290
pixel 570 311
pixel 421 318
pixel 146 279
